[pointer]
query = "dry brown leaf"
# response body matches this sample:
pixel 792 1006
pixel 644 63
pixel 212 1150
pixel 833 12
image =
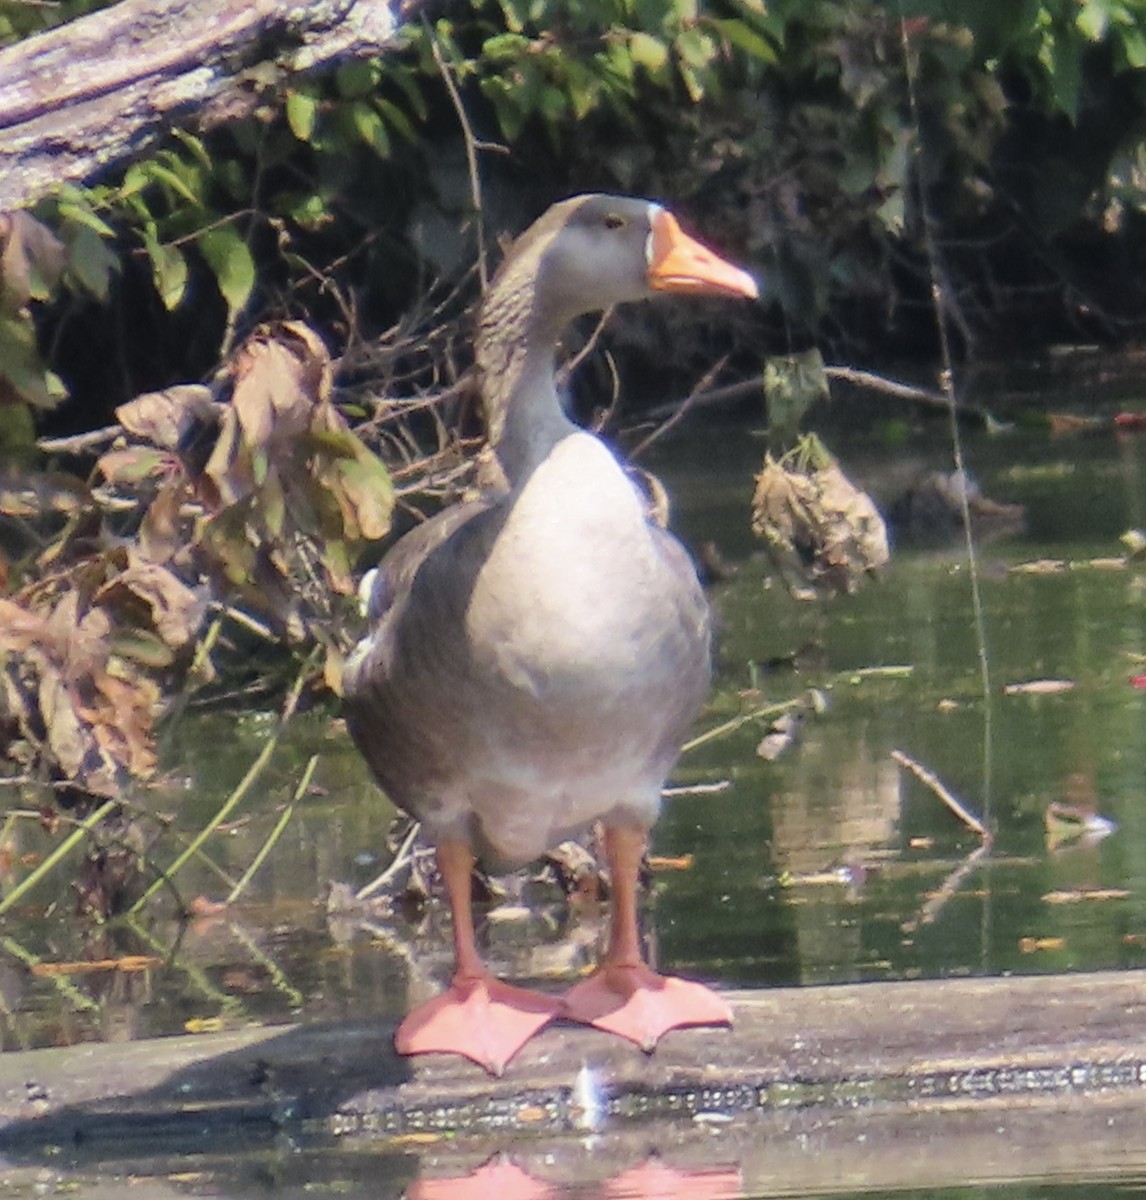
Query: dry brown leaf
pixel 19 628
pixel 132 465
pixel 66 734
pixel 160 535
pixel 164 418
pixel 32 259
pixel 278 377
pixel 228 475
pixel 818 526
pixel 175 610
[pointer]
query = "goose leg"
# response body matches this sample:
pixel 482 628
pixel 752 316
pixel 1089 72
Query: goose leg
pixel 478 1016
pixel 624 996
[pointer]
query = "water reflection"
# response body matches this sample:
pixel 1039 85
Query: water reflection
pixel 651 1180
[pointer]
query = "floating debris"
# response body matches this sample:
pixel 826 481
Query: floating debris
pixel 1039 687
pixel 820 529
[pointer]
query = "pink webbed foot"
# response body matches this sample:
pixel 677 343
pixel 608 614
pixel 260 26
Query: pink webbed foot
pixel 482 1019
pixel 637 1003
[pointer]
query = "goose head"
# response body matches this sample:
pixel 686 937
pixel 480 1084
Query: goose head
pixel 591 252
pixel 583 255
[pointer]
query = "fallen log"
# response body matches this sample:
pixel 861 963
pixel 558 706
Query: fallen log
pixel 105 87
pixel 862 1076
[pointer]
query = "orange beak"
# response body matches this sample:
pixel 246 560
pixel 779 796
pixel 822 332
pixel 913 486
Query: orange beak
pixel 679 263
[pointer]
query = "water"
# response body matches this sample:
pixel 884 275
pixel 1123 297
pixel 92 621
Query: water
pixel 832 864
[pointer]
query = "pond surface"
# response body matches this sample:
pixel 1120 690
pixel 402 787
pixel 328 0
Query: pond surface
pixel 833 863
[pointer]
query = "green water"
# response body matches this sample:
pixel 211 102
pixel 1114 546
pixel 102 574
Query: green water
pixel 831 864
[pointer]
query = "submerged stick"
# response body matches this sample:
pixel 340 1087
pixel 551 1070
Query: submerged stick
pixel 399 860
pixel 953 882
pixel 933 781
pixel 61 983
pixel 735 723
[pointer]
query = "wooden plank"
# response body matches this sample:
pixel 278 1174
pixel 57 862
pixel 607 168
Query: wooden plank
pixel 849 1069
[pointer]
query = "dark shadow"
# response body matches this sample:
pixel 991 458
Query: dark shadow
pixel 242 1099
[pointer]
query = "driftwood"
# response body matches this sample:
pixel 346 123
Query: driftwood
pixel 105 87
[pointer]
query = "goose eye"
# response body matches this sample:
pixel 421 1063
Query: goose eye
pixel 614 221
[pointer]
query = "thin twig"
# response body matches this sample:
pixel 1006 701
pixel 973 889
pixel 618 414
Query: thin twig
pixel 938 899
pixel 471 146
pixel 927 397
pixel 229 1005
pixel 78 442
pixel 933 781
pixel 945 311
pixel 697 789
pixel 567 368
pixel 730 726
pixel 276 977
pixel 682 409
pixel 399 860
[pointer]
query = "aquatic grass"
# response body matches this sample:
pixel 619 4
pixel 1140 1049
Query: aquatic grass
pixel 57 855
pixel 62 983
pixel 276 833
pixel 254 772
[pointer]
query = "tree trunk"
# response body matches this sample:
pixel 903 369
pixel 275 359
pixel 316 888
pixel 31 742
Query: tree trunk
pixel 105 87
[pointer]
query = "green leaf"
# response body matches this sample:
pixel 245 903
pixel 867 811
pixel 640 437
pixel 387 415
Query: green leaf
pixel 371 128
pixel 356 79
pixel 407 81
pixel 91 262
pixel 196 146
pixel 505 47
pixel 165 175
pixel 168 269
pixel 302 114
pixel 141 646
pixel 17 430
pixel 135 179
pixel 81 214
pixel 397 119
pixel 132 465
pixel 1091 21
pixel 1065 63
pixel 744 38
pixel 308 210
pixel 695 48
pixel 649 52
pixel 1134 47
pixel 21 365
pixel 272 504
pixel 792 383
pixel 510 116
pixel 230 260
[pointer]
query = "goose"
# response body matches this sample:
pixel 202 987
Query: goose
pixel 535 656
